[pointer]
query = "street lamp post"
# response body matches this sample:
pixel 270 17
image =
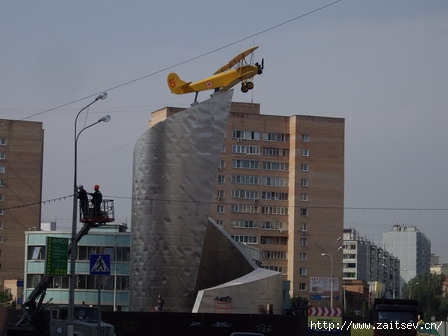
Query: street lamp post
pixel 411 285
pixel 330 255
pixel 73 247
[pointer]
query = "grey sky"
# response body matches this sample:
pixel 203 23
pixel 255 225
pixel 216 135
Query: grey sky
pixel 381 65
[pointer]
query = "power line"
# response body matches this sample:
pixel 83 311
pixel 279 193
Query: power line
pixel 182 62
pixel 25 205
pixel 155 73
pixel 63 198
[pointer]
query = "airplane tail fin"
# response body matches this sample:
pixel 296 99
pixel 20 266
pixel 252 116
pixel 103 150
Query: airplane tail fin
pixel 177 85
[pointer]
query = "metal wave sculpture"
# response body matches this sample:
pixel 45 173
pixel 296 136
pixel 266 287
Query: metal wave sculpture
pixel 175 165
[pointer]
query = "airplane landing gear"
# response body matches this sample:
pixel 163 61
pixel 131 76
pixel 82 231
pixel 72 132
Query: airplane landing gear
pixel 246 86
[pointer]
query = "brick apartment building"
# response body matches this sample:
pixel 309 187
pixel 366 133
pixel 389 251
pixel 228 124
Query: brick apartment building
pixel 21 161
pixel 280 188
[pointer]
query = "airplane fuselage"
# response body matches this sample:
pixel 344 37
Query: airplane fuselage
pixel 223 81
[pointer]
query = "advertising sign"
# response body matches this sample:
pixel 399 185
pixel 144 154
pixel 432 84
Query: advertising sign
pixel 57 256
pixel 321 285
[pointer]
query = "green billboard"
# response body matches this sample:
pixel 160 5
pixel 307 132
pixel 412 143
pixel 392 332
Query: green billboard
pixel 57 255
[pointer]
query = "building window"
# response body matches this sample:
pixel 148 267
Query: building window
pixel 2 169
pixel 350 275
pixel 274 196
pixel 280 255
pixel 2 183
pixel 242 149
pixel 304 182
pixel 222 164
pixel 247 194
pixel 303 256
pixel 58 282
pixel 305 167
pixel 244 179
pixel 122 282
pixel 36 252
pixel 247 224
pixel 305 138
pixel 302 286
pixel 2 197
pixel 274 268
pixel 245 164
pixel 303 212
pixel 2 156
pixel 304 197
pixel 32 280
pixel 273 151
pixel 274 210
pixel 220 195
pixel 271 225
pixel 273 240
pixel 2 212
pixel 247 135
pixel 304 228
pixel 2 142
pixel 303 242
pixel 275 181
pixel 220 222
pixel 280 137
pixel 244 208
pixel 1 225
pixel 121 253
pixel 305 152
pixel 220 208
pixel 280 166
pixel 221 179
pixel 245 239
pixel 303 271
pixel 92 282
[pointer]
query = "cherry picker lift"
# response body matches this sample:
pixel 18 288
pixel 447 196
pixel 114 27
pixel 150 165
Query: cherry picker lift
pixel 32 309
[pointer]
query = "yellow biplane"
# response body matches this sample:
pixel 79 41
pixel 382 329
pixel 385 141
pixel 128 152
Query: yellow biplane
pixel 237 70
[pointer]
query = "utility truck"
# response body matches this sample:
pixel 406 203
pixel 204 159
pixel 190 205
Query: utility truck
pixel 395 317
pixel 40 319
pixel 53 321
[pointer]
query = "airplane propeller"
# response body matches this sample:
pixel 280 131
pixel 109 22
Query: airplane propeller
pixel 249 85
pixel 260 66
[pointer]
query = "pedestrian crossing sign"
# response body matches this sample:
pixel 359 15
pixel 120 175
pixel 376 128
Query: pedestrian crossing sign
pixel 100 264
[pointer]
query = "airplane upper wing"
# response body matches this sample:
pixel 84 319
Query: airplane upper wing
pixel 235 60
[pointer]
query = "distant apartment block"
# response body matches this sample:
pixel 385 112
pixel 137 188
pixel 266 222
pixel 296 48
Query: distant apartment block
pixel 363 260
pixel 21 160
pixel 413 249
pixel 280 188
pixel 437 267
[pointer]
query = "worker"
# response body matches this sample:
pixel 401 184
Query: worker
pixel 160 303
pixel 97 198
pixel 83 201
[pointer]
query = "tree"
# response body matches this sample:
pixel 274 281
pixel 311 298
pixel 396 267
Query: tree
pixel 299 305
pixel 428 290
pixel 6 299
